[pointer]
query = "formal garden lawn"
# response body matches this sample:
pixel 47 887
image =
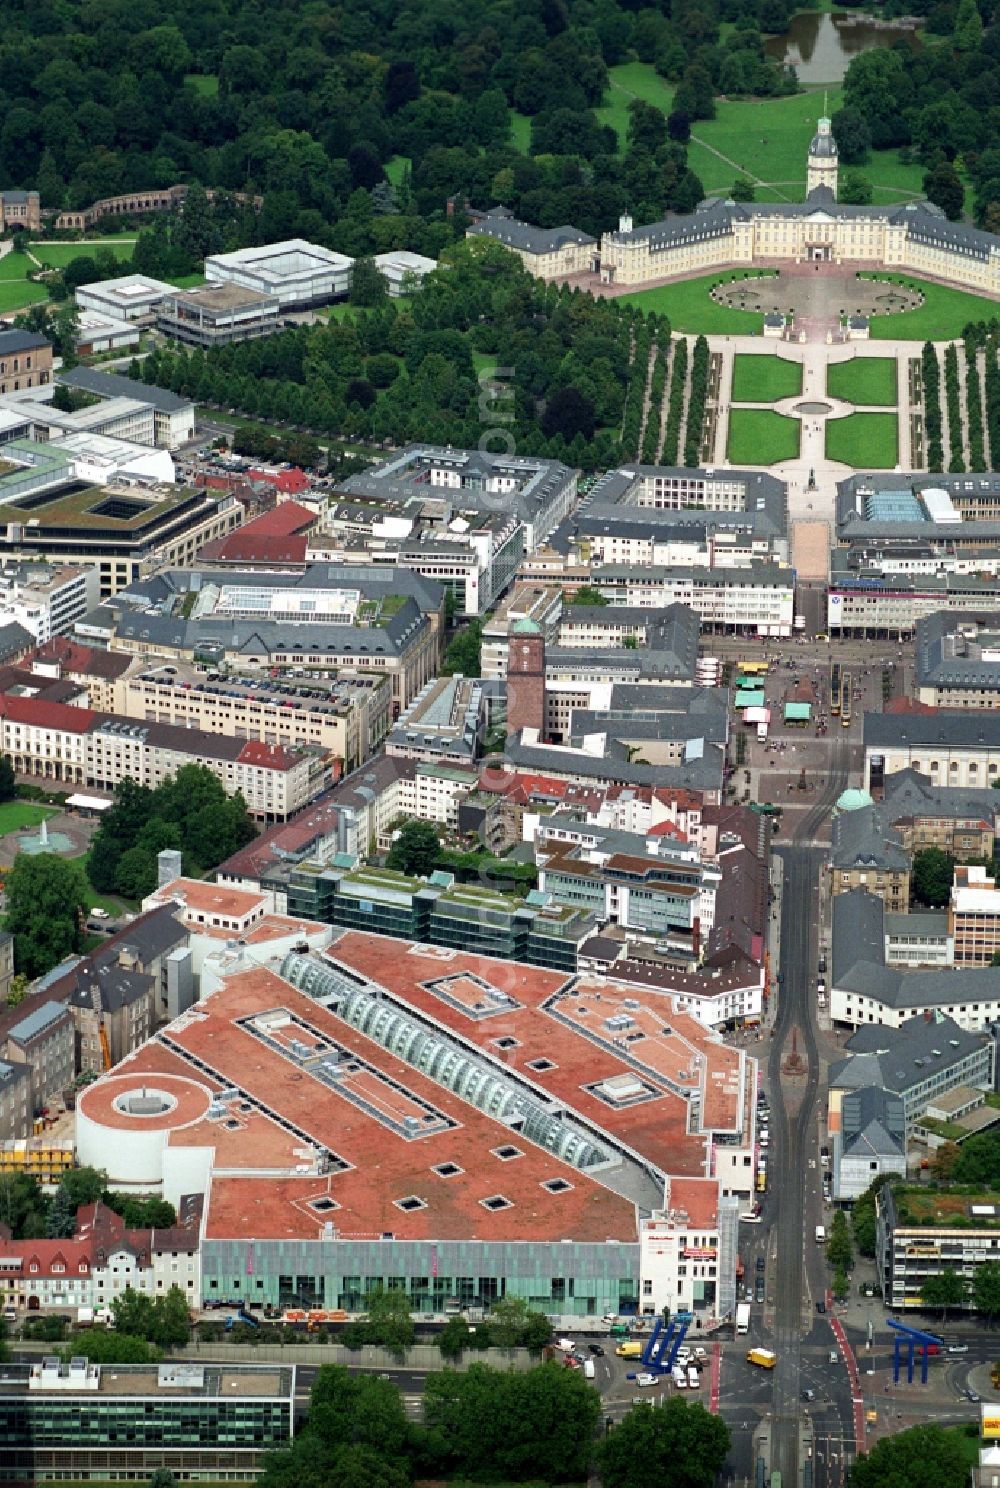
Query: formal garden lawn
pixel 691 309
pixel 942 317
pixel 764 379
pixel 18 816
pixel 16 289
pixel 864 380
pixel 758 436
pixel 58 255
pixel 868 441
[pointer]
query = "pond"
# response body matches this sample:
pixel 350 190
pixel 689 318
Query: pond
pixel 820 47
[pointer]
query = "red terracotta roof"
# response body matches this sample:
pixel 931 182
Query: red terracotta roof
pixel 242 546
pixel 47 715
pixel 289 481
pixel 274 756
pixel 282 520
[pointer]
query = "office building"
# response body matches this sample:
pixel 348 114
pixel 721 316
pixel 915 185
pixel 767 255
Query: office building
pixel 121 1422
pixel 173 416
pixel 919 1238
pixel 134 298
pixel 294 273
pixel 952 748
pixel 217 315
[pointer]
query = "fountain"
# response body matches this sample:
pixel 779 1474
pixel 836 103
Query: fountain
pixel 44 841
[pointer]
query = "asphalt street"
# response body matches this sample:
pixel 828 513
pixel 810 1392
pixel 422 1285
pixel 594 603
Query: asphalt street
pixel 793 1101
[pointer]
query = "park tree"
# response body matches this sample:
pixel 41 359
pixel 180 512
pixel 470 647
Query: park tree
pixel 388 1321
pixel 368 286
pixel 568 412
pixel 164 1321
pixel 967 32
pixel 163 1478
pixel 415 849
pixel 931 880
pixel 943 186
pixel 23 1206
pixel 464 652
pixel 986 1290
pixel 945 1290
pixel 587 595
pixel 350 1409
pixel 923 1457
pixel 680 1444
pixel 854 188
pixel 850 130
pixel 979 1160
pixel 512 1324
pixel 945 1161
pixel 679 126
pixel 46 899
pixel 8 780
pixel 838 1246
pixel 743 189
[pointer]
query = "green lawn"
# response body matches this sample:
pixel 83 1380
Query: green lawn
pixel 396 169
pixel 758 436
pixel 205 83
pixel 864 380
pixel 18 816
pixel 58 255
pixel 867 441
pixel 520 131
pixel 764 379
pixel 633 80
pixel 767 137
pixel 692 309
pixel 19 294
pixel 942 317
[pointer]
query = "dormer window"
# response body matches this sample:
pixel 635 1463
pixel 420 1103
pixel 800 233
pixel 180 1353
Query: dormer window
pixel 83 1268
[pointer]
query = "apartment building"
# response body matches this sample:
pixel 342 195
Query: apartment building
pixel 974 917
pixel 758 599
pixel 47 600
pixel 960 822
pixel 17 1107
pixel 43 1040
pixel 57 741
pixel 917 1240
pixel 958 660
pixel 347 718
pixel 870 985
pixel 868 853
pixel 25 361
pixel 317 623
pixel 539 493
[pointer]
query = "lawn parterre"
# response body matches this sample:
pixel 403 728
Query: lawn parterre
pixel 19 816
pixel 765 379
pixel 16 289
pixel 691 309
pixel 866 441
pixel 758 436
pixel 942 317
pixel 867 381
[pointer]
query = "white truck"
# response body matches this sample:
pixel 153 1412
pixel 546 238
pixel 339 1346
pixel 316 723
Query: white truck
pixel 820 1234
pixel 742 1317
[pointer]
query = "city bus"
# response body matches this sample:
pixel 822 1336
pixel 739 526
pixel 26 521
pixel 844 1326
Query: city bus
pixel 845 702
pixel 835 688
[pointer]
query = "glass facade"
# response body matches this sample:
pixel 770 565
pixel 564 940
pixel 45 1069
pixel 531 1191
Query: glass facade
pixel 578 1278
pixel 52 1435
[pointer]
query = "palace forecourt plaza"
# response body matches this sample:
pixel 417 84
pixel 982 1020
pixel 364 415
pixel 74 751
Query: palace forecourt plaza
pixel 406 1114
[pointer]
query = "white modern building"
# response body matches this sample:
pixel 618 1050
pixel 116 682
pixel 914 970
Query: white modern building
pixel 96 332
pixel 295 273
pixel 46 600
pixel 403 272
pixel 134 297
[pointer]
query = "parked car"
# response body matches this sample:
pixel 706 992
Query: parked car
pixel 958 1348
pixel 596 1350
pixel 646 1381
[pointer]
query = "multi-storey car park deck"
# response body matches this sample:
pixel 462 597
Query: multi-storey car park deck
pixel 403 1110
